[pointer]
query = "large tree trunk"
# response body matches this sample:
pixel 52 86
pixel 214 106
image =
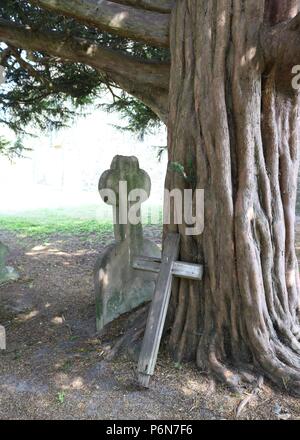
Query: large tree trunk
pixel 234 126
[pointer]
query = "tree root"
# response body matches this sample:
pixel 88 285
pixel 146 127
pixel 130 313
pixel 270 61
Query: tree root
pixel 242 405
pixel 280 364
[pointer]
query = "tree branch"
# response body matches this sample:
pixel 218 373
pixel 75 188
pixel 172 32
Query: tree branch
pixel 294 23
pixel 281 51
pixel 25 65
pixel 126 21
pixel 164 6
pixel 4 55
pixel 281 43
pixel 148 81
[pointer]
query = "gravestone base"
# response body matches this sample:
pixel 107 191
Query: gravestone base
pixel 6 273
pixel 120 288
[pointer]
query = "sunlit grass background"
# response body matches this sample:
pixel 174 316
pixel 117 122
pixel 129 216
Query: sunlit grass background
pixel 73 221
pixel 47 222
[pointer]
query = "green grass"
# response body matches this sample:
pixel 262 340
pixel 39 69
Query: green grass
pixel 73 221
pixel 44 223
pixel 30 227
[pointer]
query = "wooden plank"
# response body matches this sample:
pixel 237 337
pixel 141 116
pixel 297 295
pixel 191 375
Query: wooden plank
pixel 158 310
pixel 151 259
pixel 147 266
pixel 187 270
pixel 179 269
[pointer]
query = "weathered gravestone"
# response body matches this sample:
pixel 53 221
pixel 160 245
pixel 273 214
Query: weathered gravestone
pixel 120 288
pixel 6 273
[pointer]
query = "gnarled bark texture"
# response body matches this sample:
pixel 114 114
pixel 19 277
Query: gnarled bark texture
pixel 234 126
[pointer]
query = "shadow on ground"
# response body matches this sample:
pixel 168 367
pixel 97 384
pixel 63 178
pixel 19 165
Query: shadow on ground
pixel 55 366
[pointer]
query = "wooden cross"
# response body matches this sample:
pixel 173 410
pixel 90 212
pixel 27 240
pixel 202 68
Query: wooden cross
pixel 166 268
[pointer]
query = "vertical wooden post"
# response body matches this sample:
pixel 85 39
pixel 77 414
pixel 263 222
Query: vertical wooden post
pixel 158 310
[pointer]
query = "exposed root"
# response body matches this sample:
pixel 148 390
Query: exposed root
pixel 242 405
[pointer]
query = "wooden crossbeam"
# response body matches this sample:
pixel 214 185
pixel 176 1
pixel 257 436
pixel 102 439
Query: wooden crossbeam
pixel 179 268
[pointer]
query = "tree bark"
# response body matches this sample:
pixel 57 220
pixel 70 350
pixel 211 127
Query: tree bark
pixel 234 126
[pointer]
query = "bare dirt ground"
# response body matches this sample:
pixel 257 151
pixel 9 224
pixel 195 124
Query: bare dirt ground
pixel 55 367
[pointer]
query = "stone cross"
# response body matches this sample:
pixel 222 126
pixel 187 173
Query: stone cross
pixel 124 177
pixel 118 287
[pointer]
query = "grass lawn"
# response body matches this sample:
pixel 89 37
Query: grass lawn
pixel 74 221
pixel 79 221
